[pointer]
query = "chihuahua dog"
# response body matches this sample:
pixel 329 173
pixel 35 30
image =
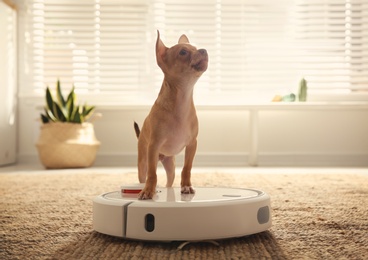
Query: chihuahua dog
pixel 172 123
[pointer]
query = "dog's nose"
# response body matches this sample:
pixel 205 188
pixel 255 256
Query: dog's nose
pixel 202 51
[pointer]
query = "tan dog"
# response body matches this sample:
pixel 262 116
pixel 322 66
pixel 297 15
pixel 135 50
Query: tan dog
pixel 172 123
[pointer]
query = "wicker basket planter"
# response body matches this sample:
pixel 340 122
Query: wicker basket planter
pixel 67 145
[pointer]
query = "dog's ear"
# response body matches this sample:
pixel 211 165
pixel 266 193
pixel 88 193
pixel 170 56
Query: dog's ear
pixel 160 50
pixel 183 39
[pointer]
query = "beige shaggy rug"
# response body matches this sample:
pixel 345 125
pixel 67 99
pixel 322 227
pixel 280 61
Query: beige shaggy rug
pixel 48 215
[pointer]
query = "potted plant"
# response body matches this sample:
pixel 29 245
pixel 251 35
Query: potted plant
pixel 66 139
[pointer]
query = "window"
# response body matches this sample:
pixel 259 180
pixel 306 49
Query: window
pixel 257 48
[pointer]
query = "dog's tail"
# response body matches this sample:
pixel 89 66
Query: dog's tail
pixel 136 129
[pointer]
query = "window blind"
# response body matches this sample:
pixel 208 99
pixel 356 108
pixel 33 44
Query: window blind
pixel 256 47
pixel 95 45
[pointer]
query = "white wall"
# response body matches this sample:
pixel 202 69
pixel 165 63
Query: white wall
pixel 288 134
pixel 313 134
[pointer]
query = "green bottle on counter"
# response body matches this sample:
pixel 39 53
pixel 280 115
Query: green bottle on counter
pixel 303 90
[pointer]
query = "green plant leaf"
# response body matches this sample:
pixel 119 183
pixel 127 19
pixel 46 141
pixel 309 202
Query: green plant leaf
pixel 44 119
pixel 70 106
pixel 49 100
pixel 77 116
pixel 50 115
pixel 73 114
pixel 87 111
pixel 58 112
pixel 71 96
pixel 60 97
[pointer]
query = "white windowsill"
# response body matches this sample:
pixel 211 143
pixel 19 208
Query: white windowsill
pixel 226 102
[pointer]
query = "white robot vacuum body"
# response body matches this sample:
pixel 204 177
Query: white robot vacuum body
pixel 210 213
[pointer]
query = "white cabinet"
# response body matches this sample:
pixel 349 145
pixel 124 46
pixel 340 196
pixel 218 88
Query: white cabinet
pixel 8 76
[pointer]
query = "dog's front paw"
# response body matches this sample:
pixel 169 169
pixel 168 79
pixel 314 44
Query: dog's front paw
pixel 187 190
pixel 146 194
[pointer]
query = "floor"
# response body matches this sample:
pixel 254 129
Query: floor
pixel 35 168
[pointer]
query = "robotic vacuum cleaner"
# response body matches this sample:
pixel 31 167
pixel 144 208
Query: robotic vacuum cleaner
pixel 209 214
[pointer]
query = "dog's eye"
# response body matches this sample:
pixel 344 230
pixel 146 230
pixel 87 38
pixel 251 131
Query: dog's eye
pixel 183 52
